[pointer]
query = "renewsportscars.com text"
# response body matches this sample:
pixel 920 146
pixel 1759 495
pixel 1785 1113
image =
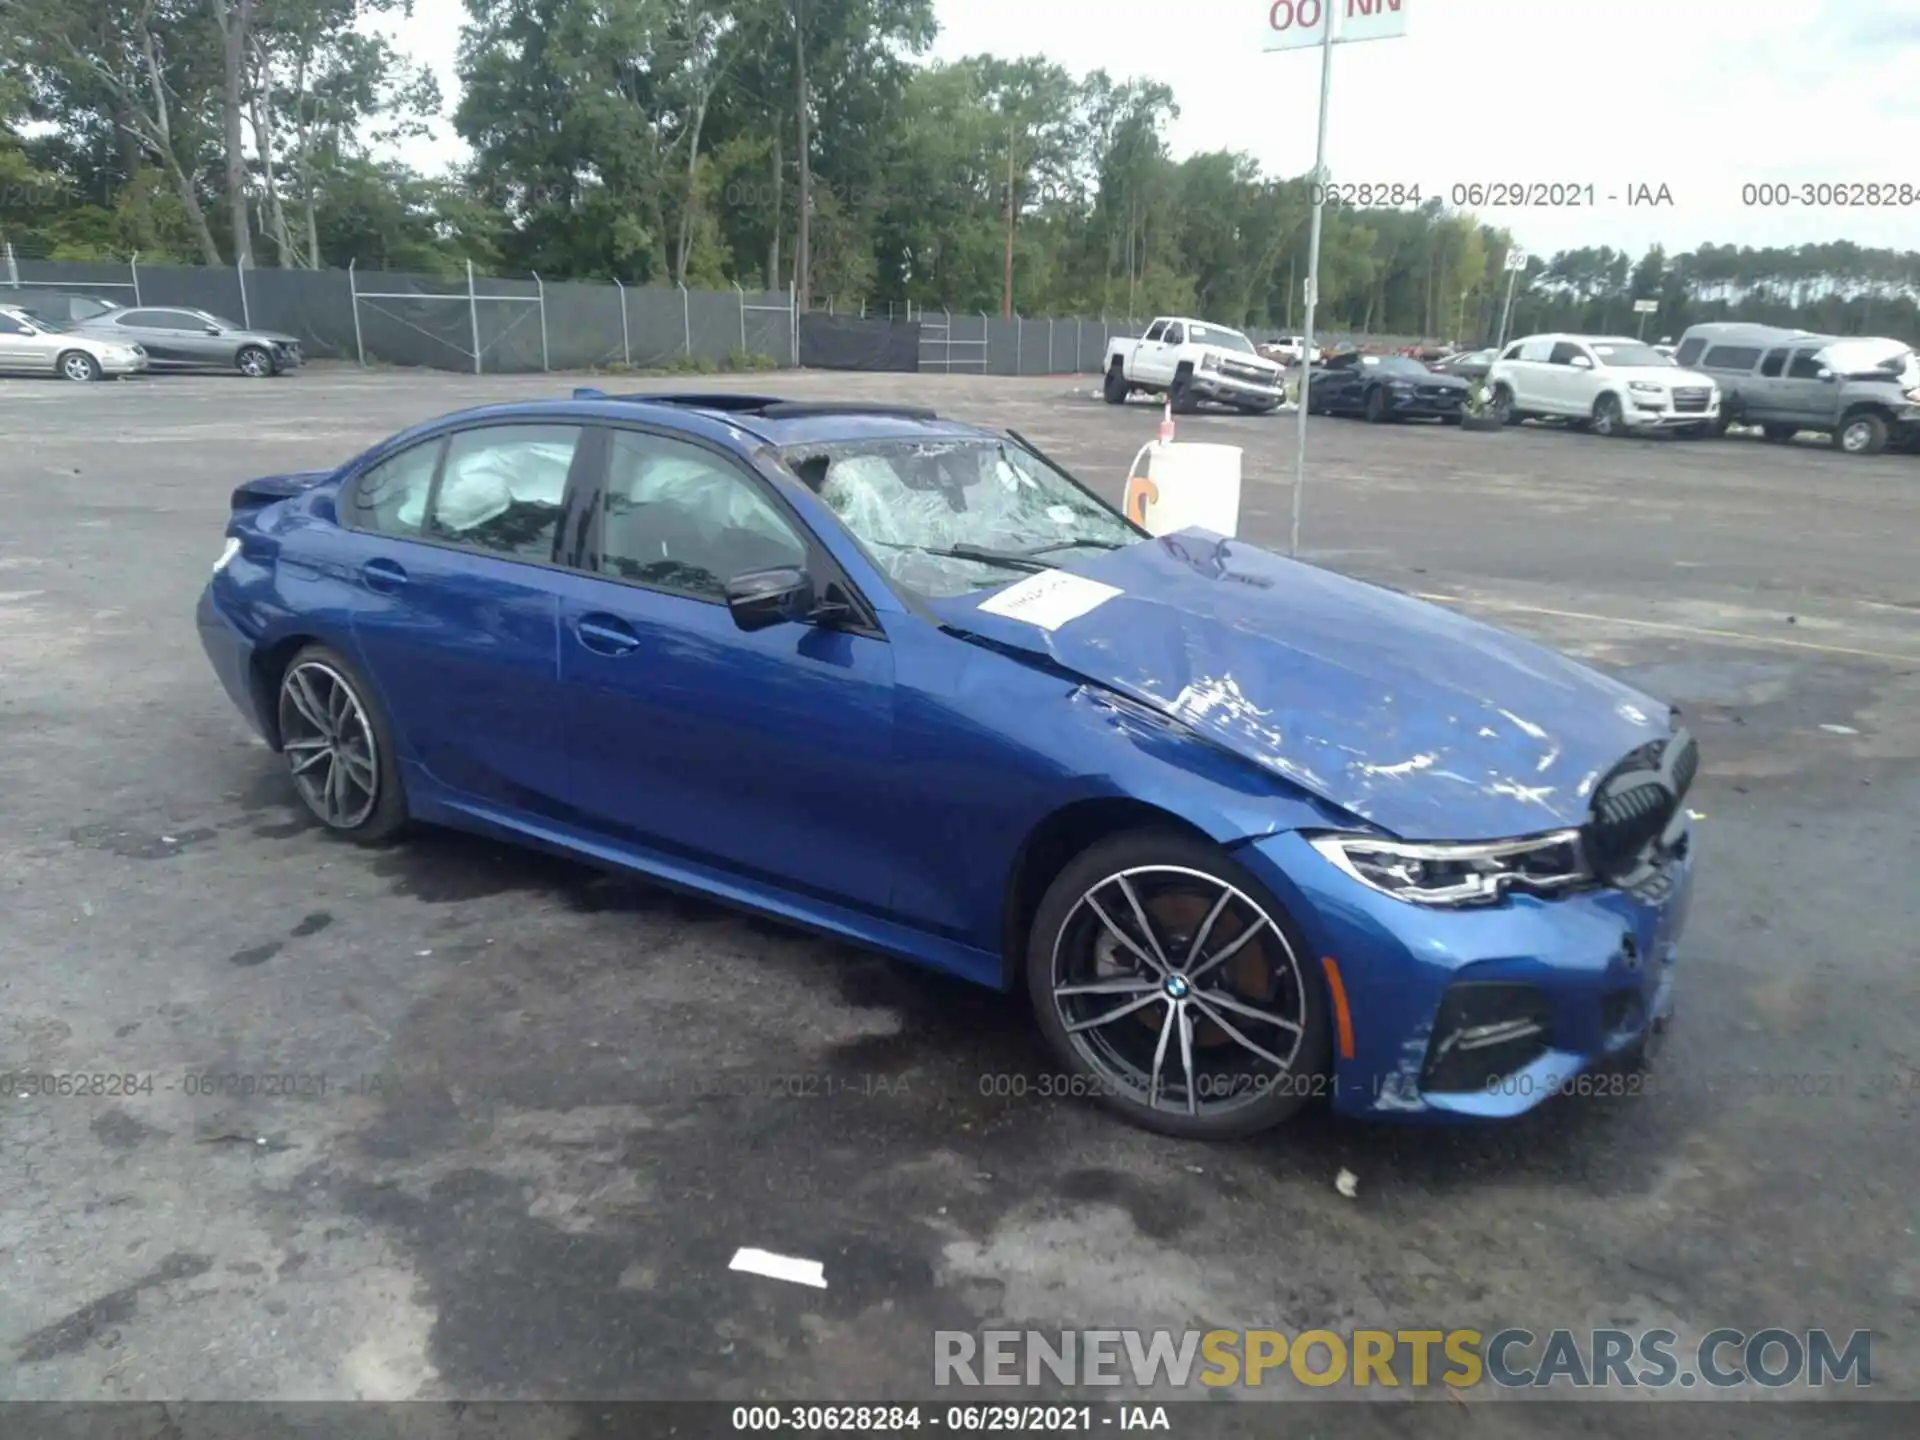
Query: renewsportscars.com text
pixel 1563 1359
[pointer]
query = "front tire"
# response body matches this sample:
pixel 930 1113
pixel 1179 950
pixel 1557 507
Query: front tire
pixel 1376 407
pixel 1181 396
pixel 1176 989
pixel 339 747
pixel 254 362
pixel 1862 434
pixel 79 367
pixel 1607 421
pixel 1114 391
pixel 1503 405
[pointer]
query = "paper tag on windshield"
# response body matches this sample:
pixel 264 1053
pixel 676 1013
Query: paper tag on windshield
pixel 1049 600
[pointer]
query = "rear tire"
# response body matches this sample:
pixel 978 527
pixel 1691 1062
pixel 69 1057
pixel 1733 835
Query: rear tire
pixel 1114 390
pixel 339 747
pixel 78 366
pixel 1862 434
pixel 1263 966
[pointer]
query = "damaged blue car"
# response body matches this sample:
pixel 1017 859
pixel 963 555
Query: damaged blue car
pixel 1249 834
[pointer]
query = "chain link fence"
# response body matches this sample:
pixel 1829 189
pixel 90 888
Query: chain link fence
pixel 490 325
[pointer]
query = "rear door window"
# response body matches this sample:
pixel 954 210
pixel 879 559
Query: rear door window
pixel 1732 357
pixel 1775 362
pixel 502 489
pixel 391 497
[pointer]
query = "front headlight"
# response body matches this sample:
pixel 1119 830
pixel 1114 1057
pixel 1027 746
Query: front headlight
pixel 1475 873
pixel 1646 387
pixel 1209 361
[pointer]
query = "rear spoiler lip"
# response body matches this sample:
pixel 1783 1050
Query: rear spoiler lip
pixel 256 494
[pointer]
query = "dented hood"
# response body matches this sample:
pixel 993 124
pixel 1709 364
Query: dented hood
pixel 1428 724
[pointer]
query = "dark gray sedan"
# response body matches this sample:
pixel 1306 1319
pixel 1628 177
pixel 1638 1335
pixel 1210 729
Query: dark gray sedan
pixel 182 339
pixel 1467 365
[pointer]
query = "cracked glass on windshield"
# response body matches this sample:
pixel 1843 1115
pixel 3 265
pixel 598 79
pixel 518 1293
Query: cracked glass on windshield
pixel 947 517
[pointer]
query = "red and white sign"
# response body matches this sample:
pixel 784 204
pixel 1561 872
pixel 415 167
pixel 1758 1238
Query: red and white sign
pixel 1297 24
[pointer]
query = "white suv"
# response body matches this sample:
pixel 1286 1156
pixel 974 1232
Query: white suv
pixel 1606 383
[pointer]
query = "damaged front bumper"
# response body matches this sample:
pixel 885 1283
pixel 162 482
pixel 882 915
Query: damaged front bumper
pixel 1231 389
pixel 1480 1012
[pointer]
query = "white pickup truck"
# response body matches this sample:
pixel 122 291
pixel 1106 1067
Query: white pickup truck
pixel 1189 361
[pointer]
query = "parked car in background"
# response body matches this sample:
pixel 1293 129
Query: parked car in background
pixel 176 338
pixel 1290 350
pixel 1864 394
pixel 1386 387
pixel 1466 364
pixel 905 681
pixel 70 307
pixel 1189 361
pixel 34 345
pixel 1610 384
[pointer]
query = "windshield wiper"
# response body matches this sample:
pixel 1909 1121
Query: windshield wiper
pixel 1011 559
pixel 1007 559
pixel 1080 544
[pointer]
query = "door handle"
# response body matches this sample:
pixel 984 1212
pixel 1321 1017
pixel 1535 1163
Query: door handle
pixel 606 634
pixel 385 576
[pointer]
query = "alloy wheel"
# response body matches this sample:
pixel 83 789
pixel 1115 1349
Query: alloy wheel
pixel 1179 991
pixel 330 745
pixel 1606 416
pixel 1856 437
pixel 78 367
pixel 255 362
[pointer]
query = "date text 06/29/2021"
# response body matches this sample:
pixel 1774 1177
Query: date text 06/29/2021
pixel 1507 194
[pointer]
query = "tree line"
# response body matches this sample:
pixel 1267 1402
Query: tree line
pixel 763 143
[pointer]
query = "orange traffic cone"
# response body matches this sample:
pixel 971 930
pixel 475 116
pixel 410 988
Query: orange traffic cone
pixel 1166 424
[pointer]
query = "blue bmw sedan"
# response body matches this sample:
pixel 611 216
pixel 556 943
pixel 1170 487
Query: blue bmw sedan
pixel 1248 833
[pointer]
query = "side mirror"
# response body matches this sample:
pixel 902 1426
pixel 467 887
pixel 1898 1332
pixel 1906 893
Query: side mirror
pixel 1825 373
pixel 213 329
pixel 1581 362
pixel 764 598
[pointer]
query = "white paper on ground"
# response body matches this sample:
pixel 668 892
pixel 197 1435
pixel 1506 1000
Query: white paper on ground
pixel 1049 600
pixel 780 1267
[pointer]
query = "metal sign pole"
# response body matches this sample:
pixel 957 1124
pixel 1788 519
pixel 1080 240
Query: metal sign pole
pixel 473 315
pixel 1313 286
pixel 1506 309
pixel 353 295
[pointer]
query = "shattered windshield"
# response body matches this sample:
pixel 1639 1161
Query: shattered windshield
pixel 1220 339
pixel 947 517
pixel 1871 358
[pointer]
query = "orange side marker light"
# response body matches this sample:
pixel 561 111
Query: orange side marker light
pixel 1342 1016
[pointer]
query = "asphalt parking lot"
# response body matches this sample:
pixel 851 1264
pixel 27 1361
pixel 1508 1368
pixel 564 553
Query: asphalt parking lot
pixel 549 1114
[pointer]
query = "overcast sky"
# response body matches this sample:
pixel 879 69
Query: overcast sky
pixel 1698 96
